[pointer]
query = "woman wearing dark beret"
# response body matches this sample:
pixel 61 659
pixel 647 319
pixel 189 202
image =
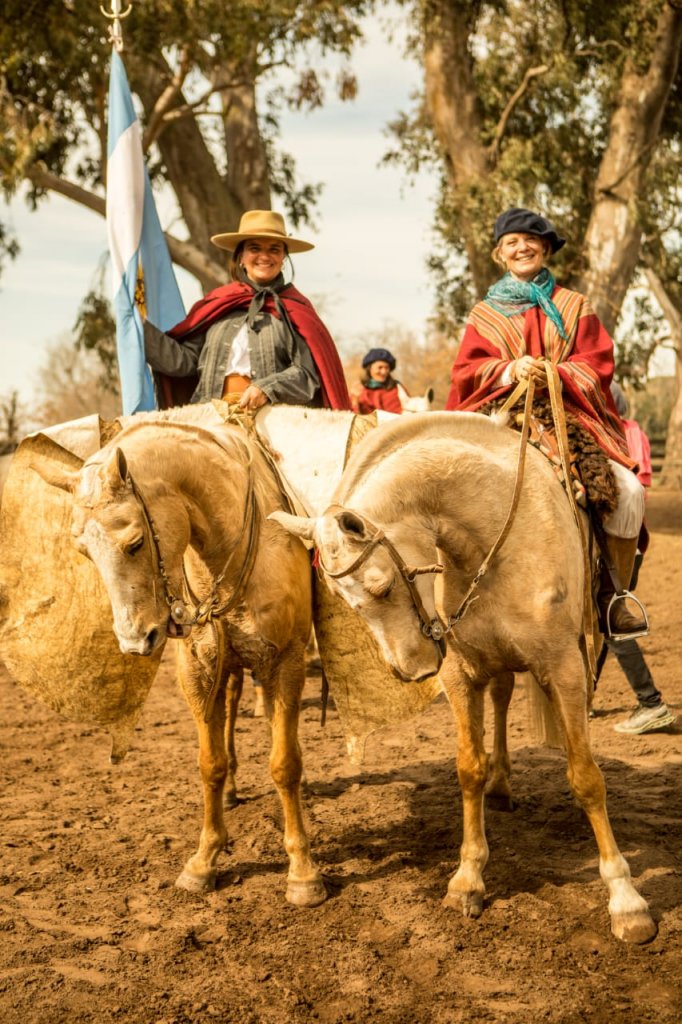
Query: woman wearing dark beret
pixel 378 388
pixel 524 319
pixel 252 341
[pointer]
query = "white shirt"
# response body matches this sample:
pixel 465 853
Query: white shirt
pixel 240 357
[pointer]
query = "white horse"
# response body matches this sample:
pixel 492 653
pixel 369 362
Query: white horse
pixel 415 403
pixel 437 488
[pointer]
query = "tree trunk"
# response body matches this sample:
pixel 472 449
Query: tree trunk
pixel 671 474
pixel 248 178
pixel 613 237
pixel 205 202
pixel 452 105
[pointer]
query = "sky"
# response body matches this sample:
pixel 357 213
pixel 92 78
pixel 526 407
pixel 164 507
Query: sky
pixel 366 271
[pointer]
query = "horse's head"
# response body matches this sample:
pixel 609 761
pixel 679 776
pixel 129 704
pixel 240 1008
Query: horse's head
pixel 386 581
pixel 415 403
pixel 111 526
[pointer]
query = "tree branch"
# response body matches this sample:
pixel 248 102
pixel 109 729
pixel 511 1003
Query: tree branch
pixel 530 74
pixel 667 303
pixel 39 176
pixel 164 101
pixel 184 253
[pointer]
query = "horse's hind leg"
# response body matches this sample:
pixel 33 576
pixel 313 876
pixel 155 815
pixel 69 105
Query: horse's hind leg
pixel 200 872
pixel 630 917
pixel 498 786
pixel 466 888
pixel 235 684
pixel 305 887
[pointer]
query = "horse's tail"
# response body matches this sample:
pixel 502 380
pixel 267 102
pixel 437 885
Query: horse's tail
pixel 543 721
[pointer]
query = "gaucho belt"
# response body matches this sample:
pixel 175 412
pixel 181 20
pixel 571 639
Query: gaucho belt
pixel 234 387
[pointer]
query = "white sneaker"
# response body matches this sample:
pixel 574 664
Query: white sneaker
pixel 645 719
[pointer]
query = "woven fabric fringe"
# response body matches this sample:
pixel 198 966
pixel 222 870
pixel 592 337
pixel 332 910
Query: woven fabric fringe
pixel 592 464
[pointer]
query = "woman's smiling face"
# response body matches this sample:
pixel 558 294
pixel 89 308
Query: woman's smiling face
pixel 262 259
pixel 523 254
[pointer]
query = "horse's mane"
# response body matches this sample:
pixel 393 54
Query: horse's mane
pixel 469 427
pixel 197 423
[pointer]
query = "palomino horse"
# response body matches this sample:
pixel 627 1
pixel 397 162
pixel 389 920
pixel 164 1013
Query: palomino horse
pixel 174 517
pixel 438 487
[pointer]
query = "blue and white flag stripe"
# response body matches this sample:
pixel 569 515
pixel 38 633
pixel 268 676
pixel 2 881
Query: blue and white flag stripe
pixel 135 235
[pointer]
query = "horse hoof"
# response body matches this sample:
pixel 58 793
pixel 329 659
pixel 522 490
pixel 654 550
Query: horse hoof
pixel 231 801
pixel 500 802
pixel 469 903
pixel 196 883
pixel 638 927
pixel 306 894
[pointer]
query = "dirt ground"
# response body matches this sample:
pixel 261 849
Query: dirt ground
pixel 93 929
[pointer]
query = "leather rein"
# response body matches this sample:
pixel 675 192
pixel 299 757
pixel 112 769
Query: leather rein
pixel 434 628
pixel 208 610
pixel 430 627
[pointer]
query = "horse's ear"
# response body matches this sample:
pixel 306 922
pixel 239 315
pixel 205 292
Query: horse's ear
pixel 115 470
pixel 299 526
pixel 55 474
pixel 351 523
pixel 429 395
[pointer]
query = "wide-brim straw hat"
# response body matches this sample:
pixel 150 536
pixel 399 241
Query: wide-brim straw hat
pixel 260 224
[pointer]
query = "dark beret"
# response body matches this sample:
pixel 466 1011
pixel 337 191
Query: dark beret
pixel 519 219
pixel 379 355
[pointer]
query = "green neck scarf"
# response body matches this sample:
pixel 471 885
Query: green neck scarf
pixel 509 296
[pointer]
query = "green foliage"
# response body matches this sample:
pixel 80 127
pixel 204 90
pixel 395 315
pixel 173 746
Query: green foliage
pixel 95 331
pixel 54 64
pixel 543 137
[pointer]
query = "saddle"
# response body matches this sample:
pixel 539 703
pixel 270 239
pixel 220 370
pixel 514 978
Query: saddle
pixel 592 478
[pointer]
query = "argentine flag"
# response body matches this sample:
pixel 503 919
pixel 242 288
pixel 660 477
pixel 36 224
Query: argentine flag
pixel 135 237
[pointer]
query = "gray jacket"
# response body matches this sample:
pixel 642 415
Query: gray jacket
pixel 281 365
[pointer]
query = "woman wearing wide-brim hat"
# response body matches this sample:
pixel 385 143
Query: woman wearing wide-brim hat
pixel 252 341
pixel 525 319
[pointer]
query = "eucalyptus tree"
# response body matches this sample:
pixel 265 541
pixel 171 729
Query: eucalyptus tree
pixel 203 72
pixel 566 105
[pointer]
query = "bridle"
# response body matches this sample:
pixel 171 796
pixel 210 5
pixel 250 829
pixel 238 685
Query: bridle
pixel 208 611
pixel 431 627
pixel 434 628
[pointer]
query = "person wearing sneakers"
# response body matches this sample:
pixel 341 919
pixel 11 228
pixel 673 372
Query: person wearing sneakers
pixel 252 341
pixel 652 712
pixel 525 320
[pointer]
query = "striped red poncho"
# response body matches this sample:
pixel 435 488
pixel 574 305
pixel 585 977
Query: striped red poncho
pixel 584 360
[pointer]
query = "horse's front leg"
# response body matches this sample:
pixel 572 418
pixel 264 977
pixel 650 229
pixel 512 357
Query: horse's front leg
pixel 235 685
pixel 498 786
pixel 200 872
pixel 305 887
pixel 630 917
pixel 466 888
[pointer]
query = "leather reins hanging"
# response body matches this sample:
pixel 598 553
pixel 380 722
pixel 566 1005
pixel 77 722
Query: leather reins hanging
pixel 208 611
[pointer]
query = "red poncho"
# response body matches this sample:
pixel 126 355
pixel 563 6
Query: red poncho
pixel 584 361
pixel 236 295
pixel 369 399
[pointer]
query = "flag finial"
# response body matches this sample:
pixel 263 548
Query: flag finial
pixel 116 15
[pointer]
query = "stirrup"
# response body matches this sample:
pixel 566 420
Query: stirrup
pixel 642 631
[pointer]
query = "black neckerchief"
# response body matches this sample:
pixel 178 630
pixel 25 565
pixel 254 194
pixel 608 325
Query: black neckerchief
pixel 261 292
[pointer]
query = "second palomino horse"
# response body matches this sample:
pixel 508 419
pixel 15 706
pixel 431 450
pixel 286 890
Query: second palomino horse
pixel 437 488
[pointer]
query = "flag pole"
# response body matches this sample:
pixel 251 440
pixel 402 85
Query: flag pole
pixel 116 15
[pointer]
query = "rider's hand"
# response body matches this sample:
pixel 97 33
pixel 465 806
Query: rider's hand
pixel 527 367
pixel 253 398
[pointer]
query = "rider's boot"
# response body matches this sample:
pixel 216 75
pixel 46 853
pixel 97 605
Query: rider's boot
pixel 618 619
